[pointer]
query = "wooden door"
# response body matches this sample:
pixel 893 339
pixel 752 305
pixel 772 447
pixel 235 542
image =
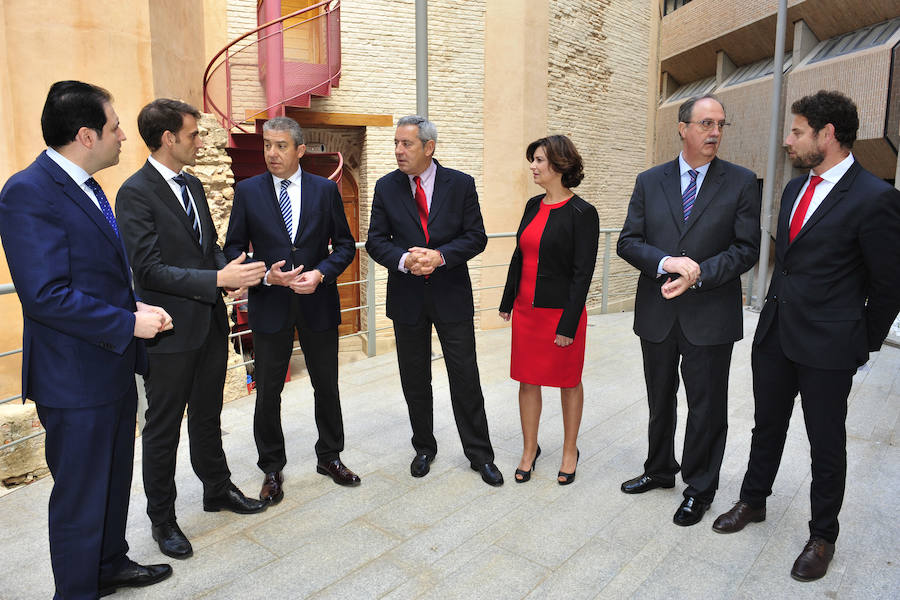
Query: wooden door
pixel 350 293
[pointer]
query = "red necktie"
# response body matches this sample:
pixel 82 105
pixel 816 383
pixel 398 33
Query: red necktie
pixel 800 213
pixel 422 203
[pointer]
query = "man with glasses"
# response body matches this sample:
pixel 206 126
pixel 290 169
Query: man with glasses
pixel 692 229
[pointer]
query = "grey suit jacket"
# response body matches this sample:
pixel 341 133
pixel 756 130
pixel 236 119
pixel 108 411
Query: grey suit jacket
pixel 721 235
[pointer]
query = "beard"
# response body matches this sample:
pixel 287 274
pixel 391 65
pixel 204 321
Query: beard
pixel 809 160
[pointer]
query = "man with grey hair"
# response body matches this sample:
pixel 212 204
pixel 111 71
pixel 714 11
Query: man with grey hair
pixel 425 225
pixel 289 217
pixel 692 229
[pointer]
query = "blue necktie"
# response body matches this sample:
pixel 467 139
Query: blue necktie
pixel 104 203
pixel 690 192
pixel 285 202
pixel 181 180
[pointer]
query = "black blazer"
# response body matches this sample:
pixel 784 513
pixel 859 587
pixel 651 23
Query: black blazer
pixel 256 219
pixel 455 228
pixel 566 259
pixel 836 287
pixel 721 235
pixel 170 267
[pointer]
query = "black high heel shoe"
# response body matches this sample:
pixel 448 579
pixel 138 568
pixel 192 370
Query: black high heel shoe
pixel 526 475
pixel 568 477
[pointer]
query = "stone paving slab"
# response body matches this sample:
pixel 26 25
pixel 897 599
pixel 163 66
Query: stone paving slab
pixel 449 536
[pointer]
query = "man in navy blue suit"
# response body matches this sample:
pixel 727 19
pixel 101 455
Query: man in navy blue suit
pixel 288 217
pixel 835 292
pixel 425 225
pixel 82 338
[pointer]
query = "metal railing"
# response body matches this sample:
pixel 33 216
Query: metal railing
pixel 375 274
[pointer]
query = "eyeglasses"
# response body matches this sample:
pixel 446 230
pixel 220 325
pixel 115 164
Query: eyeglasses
pixel 707 124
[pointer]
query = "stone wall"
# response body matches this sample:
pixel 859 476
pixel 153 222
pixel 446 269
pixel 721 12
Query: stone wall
pixel 23 462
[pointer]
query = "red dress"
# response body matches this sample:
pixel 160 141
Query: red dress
pixel 536 359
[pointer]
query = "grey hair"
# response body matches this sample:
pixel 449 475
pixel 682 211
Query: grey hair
pixel 285 124
pixel 427 130
pixel 687 107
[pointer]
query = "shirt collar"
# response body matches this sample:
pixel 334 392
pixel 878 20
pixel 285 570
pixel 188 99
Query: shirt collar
pixel 834 174
pixel 165 171
pixel 684 167
pixel 426 176
pixel 295 178
pixel 77 174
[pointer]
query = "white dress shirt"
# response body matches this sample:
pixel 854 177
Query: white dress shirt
pixel 829 179
pixel 169 175
pixel 293 191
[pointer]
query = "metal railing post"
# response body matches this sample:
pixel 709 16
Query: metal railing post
pixel 604 290
pixel 370 307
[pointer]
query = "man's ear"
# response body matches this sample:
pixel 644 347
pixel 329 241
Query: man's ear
pixel 429 148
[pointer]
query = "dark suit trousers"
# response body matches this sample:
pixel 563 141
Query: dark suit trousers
pixel 90 452
pixel 193 379
pixel 705 373
pixel 273 354
pixel 823 395
pixel 414 358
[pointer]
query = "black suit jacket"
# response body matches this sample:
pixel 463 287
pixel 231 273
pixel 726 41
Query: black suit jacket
pixel 836 287
pixel 455 229
pixel 721 235
pixel 170 267
pixel 566 259
pixel 256 220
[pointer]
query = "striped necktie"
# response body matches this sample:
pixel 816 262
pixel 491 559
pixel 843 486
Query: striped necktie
pixel 690 193
pixel 285 202
pixel 104 203
pixel 181 180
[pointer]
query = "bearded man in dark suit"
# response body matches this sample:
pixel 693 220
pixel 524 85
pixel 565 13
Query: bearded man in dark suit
pixel 692 229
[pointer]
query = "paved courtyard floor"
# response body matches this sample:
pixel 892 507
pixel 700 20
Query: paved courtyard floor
pixel 448 535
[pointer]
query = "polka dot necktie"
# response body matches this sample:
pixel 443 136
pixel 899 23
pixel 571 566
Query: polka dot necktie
pixel 104 203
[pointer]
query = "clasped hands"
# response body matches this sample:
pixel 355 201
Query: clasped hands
pixel 422 261
pixel 686 268
pixel 301 282
pixel 150 320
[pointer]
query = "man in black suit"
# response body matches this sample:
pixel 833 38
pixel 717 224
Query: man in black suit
pixel 692 229
pixel 177 264
pixel 289 217
pixel 425 225
pixel 835 292
pixel 83 338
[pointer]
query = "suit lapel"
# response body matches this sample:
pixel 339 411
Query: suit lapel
pixel 438 194
pixel 406 198
pixel 268 191
pixel 782 233
pixel 836 194
pixel 168 199
pixel 207 229
pixel 306 198
pixel 671 184
pixel 715 175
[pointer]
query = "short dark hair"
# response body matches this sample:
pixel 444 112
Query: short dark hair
pixel 686 110
pixel 826 107
pixel 160 116
pixel 562 156
pixel 71 105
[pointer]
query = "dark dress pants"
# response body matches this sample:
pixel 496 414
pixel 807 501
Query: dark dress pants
pixel 705 373
pixel 90 453
pixel 414 359
pixel 823 395
pixel 273 354
pixel 194 379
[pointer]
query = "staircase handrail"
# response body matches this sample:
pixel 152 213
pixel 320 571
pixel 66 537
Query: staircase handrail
pixel 209 103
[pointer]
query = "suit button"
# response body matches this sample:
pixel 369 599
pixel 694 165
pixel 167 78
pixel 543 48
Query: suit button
pixel 784 272
pixel 293 249
pixel 684 252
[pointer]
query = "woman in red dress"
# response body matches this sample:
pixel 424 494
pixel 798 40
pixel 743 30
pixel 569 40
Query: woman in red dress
pixel 548 281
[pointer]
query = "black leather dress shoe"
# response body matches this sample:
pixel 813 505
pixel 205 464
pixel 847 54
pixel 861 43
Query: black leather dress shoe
pixel 134 575
pixel 172 541
pixel 738 517
pixel 645 483
pixel 690 512
pixel 813 562
pixel 338 471
pixel 419 466
pixel 490 474
pixel 272 491
pixel 235 501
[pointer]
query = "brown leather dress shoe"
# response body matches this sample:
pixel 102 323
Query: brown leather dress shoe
pixel 271 488
pixel 338 471
pixel 813 562
pixel 737 518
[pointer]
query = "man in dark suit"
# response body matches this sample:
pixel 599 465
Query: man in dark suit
pixel 289 217
pixel 425 225
pixel 834 294
pixel 177 264
pixel 82 324
pixel 692 229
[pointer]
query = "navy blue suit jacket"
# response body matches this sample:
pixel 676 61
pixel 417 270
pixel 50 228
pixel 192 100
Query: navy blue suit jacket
pixel 836 287
pixel 455 228
pixel 74 282
pixel 256 220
